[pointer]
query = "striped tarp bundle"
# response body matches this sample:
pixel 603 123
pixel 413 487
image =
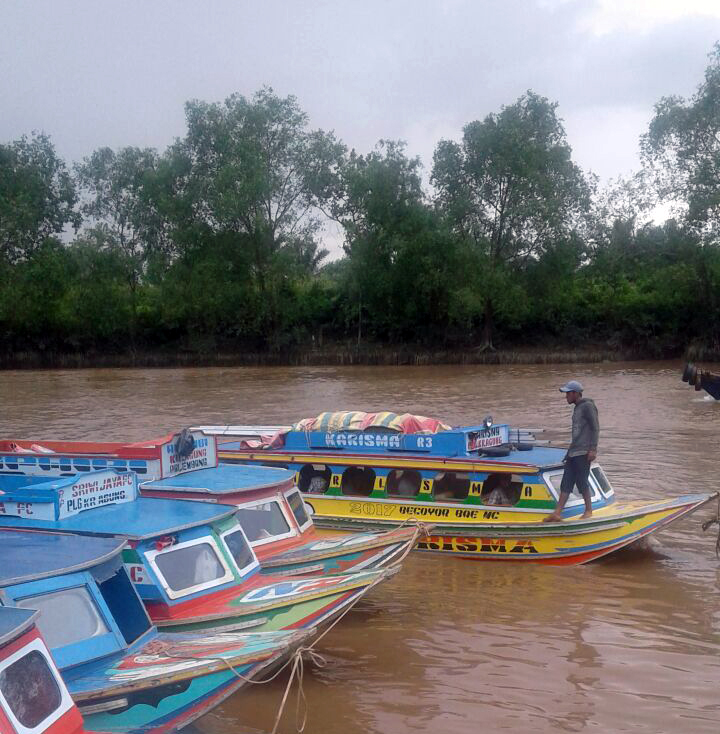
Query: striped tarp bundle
pixel 357 420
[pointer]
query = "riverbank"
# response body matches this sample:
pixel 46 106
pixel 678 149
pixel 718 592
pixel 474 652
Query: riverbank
pixel 340 355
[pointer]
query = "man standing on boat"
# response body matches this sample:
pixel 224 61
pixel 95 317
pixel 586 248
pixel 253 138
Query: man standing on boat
pixel 582 451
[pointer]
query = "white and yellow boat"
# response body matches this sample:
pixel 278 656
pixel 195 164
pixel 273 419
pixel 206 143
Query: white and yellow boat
pixel 367 474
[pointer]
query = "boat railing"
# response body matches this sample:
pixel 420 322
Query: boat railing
pixel 241 431
pixel 525 436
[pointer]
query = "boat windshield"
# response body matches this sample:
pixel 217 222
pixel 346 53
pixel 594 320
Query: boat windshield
pixel 125 606
pixel 602 481
pixel 554 478
pixel 240 549
pixel 192 566
pixel 298 508
pixel 264 522
pixel 58 607
pixel 31 689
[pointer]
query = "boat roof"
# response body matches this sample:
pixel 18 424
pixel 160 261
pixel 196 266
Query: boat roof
pixel 29 556
pixel 164 456
pixel 14 621
pixel 224 479
pixel 535 458
pixel 99 503
pixel 143 518
pixel 140 449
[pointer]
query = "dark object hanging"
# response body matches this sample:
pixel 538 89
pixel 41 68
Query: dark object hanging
pixel 184 443
pixel 702 380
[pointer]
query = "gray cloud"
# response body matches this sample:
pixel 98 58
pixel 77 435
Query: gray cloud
pixel 118 73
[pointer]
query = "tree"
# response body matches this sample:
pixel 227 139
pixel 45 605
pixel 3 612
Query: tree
pixel 374 201
pixel 34 308
pixel 37 196
pixel 253 171
pixel 511 188
pixel 681 152
pixel 399 256
pixel 121 206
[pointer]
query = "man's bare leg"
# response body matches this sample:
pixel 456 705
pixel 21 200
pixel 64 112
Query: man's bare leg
pixel 556 516
pixel 588 505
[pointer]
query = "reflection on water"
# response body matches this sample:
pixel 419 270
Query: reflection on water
pixel 631 643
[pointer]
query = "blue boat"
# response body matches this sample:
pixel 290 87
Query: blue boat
pixel 271 509
pixel 190 561
pixel 122 673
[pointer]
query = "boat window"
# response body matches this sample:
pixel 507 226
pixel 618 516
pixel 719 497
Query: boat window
pixel 358 482
pixel 298 509
pixel 125 606
pixel 57 608
pixel 190 567
pixel 263 522
pixel 501 489
pixel 239 549
pixel 314 478
pixel 31 690
pixel 554 478
pixel 451 486
pixel 403 483
pixel 602 480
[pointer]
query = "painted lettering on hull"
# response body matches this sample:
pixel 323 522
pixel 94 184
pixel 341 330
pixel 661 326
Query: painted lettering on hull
pixel 137 573
pixel 424 511
pixel 370 508
pixel 477 545
pixel 379 509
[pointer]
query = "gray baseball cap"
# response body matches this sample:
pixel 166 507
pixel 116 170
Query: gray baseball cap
pixel 572 386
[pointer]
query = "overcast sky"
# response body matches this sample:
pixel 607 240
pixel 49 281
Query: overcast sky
pixel 117 72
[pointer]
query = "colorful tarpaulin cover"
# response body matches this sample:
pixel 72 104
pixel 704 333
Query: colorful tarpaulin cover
pixel 356 420
pixel 351 420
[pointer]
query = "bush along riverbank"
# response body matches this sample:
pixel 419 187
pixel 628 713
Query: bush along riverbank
pixel 336 356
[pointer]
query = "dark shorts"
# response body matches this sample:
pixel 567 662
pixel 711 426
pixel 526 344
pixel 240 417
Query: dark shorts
pixel 577 469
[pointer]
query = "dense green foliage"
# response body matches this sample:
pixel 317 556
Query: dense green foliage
pixel 216 243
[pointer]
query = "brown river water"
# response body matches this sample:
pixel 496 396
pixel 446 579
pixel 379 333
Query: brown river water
pixel 631 643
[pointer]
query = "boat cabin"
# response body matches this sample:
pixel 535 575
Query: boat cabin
pixel 33 696
pixel 163 457
pixel 178 550
pixel 88 607
pixel 270 508
pixel 190 561
pixel 485 467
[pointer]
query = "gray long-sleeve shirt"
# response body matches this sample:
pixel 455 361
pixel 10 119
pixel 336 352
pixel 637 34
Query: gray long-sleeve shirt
pixel 585 428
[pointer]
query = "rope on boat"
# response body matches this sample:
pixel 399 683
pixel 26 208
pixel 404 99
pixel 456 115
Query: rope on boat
pixel 296 661
pixel 714 521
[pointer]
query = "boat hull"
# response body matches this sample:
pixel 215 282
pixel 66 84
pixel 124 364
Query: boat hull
pixel 354 552
pixel 169 709
pixel 284 605
pixel 173 680
pixel 570 542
